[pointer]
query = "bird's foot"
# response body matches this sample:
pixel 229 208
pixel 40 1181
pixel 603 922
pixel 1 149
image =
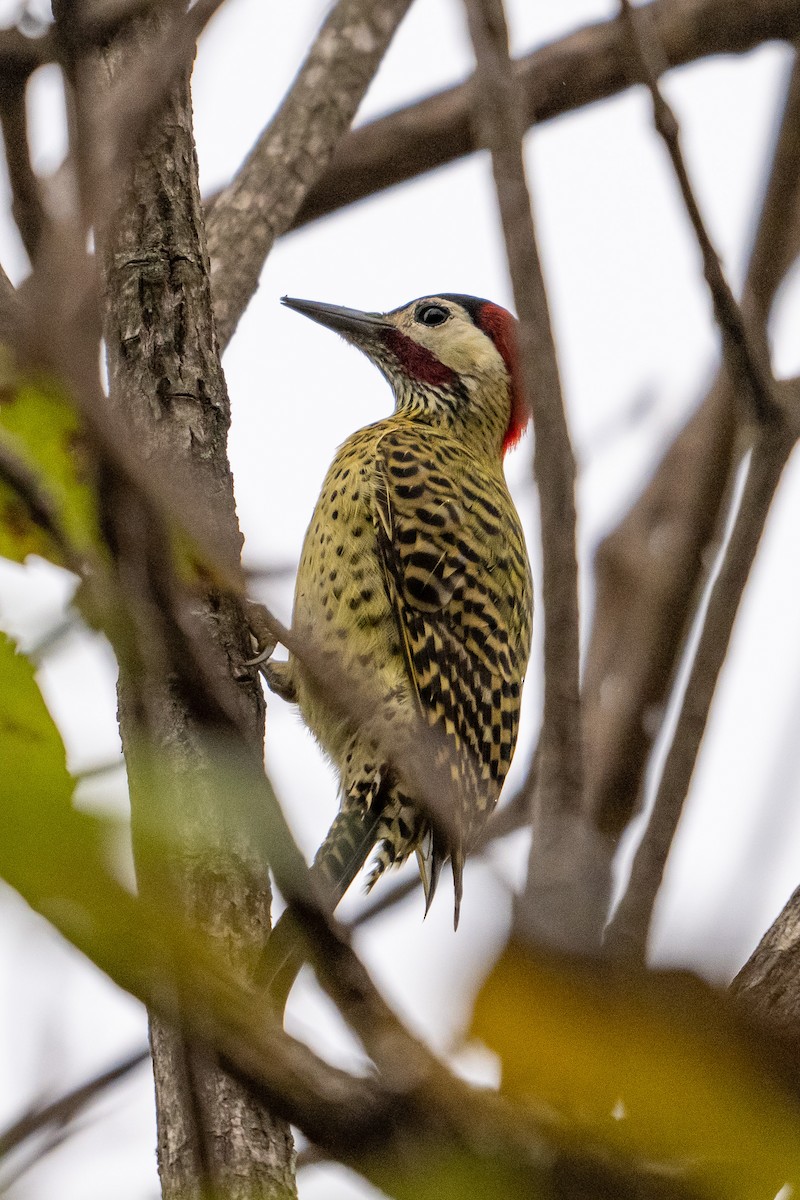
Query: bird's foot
pixel 277 674
pixel 279 679
pixel 261 635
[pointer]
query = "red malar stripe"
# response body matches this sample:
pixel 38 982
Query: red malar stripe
pixel 416 361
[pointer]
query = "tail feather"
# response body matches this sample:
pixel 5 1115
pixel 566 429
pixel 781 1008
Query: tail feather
pixel 346 848
pixel 336 864
pixel 431 858
pixel 458 881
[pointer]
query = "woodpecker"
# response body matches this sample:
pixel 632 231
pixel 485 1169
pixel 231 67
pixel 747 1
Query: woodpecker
pixel 414 572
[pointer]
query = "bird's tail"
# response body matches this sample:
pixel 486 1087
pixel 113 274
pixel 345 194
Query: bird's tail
pixel 336 864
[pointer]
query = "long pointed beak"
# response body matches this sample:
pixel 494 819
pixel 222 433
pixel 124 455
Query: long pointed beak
pixel 344 320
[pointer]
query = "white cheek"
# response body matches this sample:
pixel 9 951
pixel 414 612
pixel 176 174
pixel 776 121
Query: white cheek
pixel 464 349
pixel 475 356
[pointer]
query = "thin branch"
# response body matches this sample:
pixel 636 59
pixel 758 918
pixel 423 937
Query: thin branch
pixel 588 65
pixel 747 359
pixel 626 935
pixel 93 23
pixel 650 570
pixel 21 55
pixel 7 289
pixel 294 150
pixel 27 205
pixel 776 243
pixel 63 1110
pixel 560 776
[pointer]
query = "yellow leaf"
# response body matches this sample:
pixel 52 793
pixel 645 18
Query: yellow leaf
pixel 653 1065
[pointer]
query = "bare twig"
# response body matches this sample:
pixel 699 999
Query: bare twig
pixel 63 1110
pixel 650 570
pixel 627 933
pixel 776 243
pixel 293 151
pixel 7 288
pixel 93 22
pixel 560 777
pixel 577 70
pixel 20 55
pixel 401 1058
pixel 747 357
pixel 27 203
pixel 649 575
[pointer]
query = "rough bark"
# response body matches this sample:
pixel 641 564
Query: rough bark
pixel 165 377
pixel 769 982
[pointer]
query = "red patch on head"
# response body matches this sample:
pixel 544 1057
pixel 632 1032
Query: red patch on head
pixel 416 360
pixel 501 327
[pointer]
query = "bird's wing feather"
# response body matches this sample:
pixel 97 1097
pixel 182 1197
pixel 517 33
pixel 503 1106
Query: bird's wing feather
pixel 461 601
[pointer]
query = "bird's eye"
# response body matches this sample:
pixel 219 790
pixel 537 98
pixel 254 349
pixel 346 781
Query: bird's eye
pixel 432 314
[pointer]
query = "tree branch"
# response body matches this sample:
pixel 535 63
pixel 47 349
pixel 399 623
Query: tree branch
pixel 650 570
pixel 747 358
pixel 26 205
pixel 115 129
pixel 9 307
pixel 626 935
pixel 63 1110
pixel 186 686
pixel 577 70
pixel 768 985
pixel 559 791
pixel 294 150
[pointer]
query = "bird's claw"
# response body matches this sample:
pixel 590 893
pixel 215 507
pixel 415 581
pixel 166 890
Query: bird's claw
pixel 261 634
pixel 279 679
pixel 262 656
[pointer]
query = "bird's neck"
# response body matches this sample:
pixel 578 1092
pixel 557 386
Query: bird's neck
pixel 475 416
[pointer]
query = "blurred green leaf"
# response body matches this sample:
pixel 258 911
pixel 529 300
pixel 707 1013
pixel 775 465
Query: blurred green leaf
pixel 41 428
pixel 56 857
pixel 31 750
pixel 652 1065
pixel 35 786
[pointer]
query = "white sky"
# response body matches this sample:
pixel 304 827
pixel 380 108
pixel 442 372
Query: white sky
pixel 637 347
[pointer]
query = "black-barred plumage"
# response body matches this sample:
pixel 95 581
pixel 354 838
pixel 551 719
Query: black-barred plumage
pixel 414 571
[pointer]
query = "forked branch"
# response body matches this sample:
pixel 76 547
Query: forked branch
pixel 293 152
pixel 649 570
pixel 579 69
pixel 626 935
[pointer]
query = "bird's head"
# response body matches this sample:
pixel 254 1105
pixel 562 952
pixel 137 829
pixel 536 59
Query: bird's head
pixel 450 360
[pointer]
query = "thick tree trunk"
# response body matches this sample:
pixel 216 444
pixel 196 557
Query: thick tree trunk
pixel 165 377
